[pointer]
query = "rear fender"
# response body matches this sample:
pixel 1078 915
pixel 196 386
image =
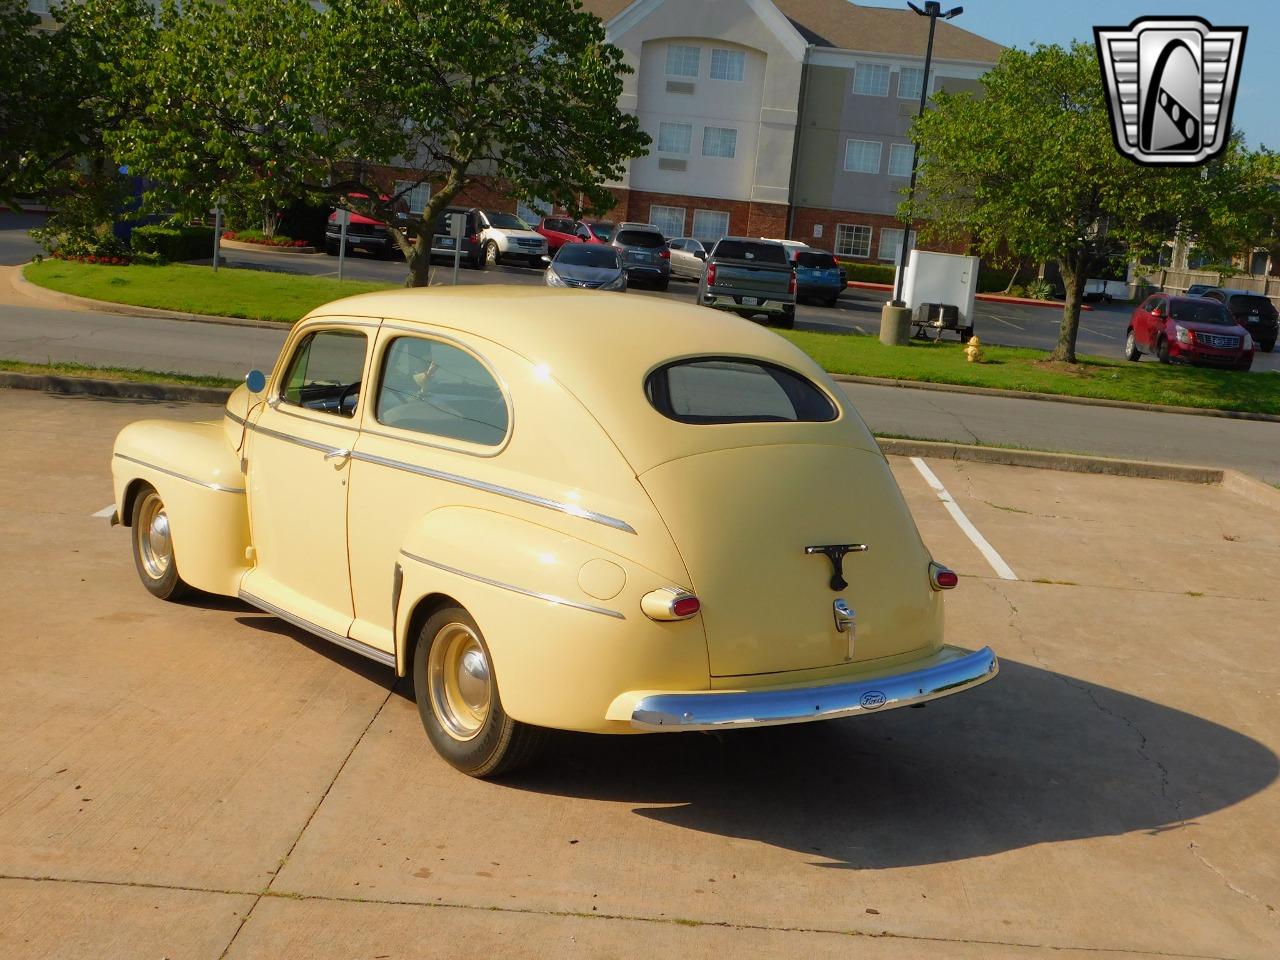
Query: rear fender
pixel 197 474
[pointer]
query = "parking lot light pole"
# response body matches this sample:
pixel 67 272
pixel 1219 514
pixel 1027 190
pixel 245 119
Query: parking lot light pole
pixel 932 10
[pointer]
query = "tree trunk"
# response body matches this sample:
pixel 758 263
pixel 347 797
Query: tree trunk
pixel 1017 269
pixel 418 259
pixel 1073 280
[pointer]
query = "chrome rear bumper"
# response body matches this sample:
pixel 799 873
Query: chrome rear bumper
pixel 950 671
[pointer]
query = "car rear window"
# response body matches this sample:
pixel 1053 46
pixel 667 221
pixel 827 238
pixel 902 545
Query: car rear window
pixel 748 250
pixel 648 239
pixel 559 226
pixel 804 259
pixel 1200 311
pixel 710 390
pixel 588 255
pixel 1245 303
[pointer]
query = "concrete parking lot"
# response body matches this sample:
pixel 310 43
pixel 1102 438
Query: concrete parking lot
pixel 204 781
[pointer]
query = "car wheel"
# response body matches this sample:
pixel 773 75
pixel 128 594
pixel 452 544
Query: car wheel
pixel 831 302
pixel 491 256
pixel 331 247
pixel 153 547
pixel 476 260
pixel 1131 351
pixel 787 321
pixel 662 285
pixel 1268 346
pixel 457 694
pixel 1245 365
pixel 1162 350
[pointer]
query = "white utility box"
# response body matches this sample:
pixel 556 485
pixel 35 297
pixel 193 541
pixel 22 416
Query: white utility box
pixel 948 278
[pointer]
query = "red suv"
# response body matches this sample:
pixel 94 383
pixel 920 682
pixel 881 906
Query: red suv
pixel 1188 330
pixel 558 231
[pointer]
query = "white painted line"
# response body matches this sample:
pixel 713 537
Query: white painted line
pixel 105 512
pixel 1002 569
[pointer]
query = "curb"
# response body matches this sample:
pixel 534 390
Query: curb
pixel 989 297
pixel 114 389
pixel 265 248
pixel 1066 462
pixel 1055 398
pixel 56 298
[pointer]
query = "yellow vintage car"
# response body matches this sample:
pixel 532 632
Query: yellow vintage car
pixel 556 510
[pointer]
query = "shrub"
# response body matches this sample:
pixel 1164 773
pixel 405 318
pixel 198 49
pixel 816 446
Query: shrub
pixel 258 237
pixel 1017 290
pixel 1039 289
pixel 173 243
pixel 868 272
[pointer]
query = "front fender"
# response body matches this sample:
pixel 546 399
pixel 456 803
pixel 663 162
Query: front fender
pixel 561 616
pixel 197 474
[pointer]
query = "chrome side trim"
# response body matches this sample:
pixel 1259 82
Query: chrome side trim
pixel 181 476
pixel 533 498
pixel 373 653
pixel 708 710
pixel 548 597
pixel 290 438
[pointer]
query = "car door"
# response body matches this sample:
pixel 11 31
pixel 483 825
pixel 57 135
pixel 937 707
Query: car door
pixel 298 467
pixel 436 415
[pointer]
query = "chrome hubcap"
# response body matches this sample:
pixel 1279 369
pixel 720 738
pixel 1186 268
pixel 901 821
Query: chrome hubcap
pixel 491 253
pixel 151 535
pixel 460 681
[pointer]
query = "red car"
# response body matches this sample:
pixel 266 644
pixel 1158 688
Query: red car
pixel 595 231
pixel 363 233
pixel 1188 330
pixel 558 231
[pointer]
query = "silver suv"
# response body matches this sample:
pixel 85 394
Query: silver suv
pixel 645 255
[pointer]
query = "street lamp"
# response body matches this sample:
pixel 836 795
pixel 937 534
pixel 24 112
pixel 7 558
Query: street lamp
pixel 932 10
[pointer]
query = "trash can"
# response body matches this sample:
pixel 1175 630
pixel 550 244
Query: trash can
pixel 895 326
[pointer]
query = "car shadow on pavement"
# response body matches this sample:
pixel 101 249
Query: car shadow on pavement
pixel 1033 757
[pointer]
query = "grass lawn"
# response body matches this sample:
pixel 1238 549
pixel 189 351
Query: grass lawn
pixel 1013 368
pixel 252 294
pixel 114 373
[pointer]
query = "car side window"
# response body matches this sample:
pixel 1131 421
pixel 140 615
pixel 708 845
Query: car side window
pixel 583 233
pixel 324 373
pixel 435 388
pixel 1212 295
pixel 676 244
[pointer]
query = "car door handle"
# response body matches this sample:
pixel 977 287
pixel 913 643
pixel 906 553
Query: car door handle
pixel 342 453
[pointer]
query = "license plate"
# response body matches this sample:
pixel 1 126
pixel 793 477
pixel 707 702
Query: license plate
pixel 751 301
pixel 446 241
pixel 641 257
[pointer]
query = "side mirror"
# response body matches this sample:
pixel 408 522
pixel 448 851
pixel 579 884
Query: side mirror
pixel 256 381
pixel 546 259
pixel 700 254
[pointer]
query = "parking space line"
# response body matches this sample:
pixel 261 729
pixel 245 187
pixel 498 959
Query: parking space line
pixel 1002 569
pixel 105 512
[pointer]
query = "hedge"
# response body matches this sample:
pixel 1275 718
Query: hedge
pixel 174 244
pixel 990 279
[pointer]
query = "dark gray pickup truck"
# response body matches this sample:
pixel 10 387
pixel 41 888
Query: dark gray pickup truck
pixel 750 277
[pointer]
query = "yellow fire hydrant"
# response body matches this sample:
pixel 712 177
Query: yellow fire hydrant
pixel 974 350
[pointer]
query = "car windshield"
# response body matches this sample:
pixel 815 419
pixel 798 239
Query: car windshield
pixel 810 259
pixel 1200 311
pixel 640 238
pixel 1250 303
pixel 587 255
pixel 709 390
pixel 750 250
pixel 559 226
pixel 505 221
pixel 602 229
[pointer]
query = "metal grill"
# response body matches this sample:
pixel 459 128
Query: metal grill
pixel 1217 342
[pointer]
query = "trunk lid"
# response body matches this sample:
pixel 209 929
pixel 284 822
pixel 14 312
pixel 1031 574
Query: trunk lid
pixel 742 518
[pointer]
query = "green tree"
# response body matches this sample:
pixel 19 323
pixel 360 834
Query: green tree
pixel 1030 167
pixel 277 97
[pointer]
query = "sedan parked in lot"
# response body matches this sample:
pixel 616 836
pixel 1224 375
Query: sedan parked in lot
pixel 588 266
pixel 691 528
pixel 644 254
pixel 1253 311
pixel 688 257
pixel 1188 330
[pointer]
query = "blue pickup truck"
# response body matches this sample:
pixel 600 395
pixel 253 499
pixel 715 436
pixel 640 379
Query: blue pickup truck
pixel 819 276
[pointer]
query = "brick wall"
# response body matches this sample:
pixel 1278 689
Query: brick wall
pixel 746 218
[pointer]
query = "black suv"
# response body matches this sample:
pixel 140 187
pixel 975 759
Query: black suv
pixel 1251 310
pixel 442 245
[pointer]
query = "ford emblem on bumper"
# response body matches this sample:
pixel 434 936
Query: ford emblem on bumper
pixel 872 699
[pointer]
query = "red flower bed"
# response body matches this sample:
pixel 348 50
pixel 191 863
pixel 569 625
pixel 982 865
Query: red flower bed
pixel 264 241
pixel 93 258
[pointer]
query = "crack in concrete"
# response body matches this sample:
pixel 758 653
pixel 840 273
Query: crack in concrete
pixel 575 914
pixel 1174 802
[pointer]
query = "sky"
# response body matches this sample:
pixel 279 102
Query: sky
pixel 1020 23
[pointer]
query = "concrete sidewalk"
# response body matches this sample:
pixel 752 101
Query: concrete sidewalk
pixel 204 781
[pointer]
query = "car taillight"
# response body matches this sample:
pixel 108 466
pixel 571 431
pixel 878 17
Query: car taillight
pixel 942 578
pixel 474 238
pixel 835 261
pixel 792 287
pixel 664 254
pixel 670 603
pixel 711 274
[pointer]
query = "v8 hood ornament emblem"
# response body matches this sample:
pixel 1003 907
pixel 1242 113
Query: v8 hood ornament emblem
pixel 836 552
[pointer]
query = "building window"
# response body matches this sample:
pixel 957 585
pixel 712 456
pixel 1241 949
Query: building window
pixel 674 137
pixel 720 142
pixel 668 220
pixel 891 244
pixel 853 240
pixel 910 82
pixel 710 225
pixel 871 79
pixel 900 155
pixel 728 64
pixel 862 156
pixel 683 61
pixel 415 197
pixel 533 212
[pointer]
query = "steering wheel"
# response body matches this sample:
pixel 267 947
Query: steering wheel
pixel 349 391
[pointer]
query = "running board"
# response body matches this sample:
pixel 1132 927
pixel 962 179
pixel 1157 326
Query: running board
pixel 355 646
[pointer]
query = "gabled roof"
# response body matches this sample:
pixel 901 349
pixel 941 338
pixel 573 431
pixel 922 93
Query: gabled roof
pixel 850 26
